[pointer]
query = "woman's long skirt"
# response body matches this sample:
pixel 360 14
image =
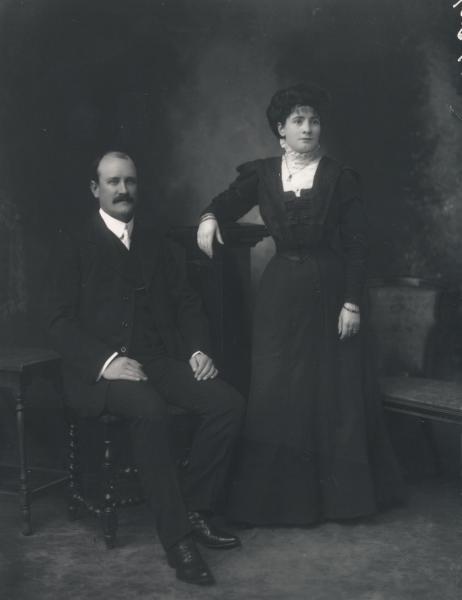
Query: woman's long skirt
pixel 314 443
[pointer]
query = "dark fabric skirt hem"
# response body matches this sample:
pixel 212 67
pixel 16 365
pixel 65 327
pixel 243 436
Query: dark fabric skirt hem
pixel 287 521
pixel 314 517
pixel 296 522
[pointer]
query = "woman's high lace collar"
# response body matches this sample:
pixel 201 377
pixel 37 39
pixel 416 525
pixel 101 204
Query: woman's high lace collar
pixel 296 161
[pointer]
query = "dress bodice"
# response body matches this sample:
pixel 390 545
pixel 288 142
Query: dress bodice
pixel 304 219
pixel 328 217
pixel 297 223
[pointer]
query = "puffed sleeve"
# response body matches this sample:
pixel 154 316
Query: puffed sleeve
pixel 353 234
pixel 240 196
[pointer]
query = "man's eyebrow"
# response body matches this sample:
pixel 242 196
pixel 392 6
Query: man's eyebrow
pixel 117 177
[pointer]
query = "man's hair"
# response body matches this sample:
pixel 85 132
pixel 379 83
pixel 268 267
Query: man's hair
pixel 94 175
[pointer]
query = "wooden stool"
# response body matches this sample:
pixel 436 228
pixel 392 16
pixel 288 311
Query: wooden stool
pixel 18 369
pixel 106 509
pixel 110 498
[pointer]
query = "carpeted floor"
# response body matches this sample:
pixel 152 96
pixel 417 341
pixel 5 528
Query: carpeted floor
pixel 414 552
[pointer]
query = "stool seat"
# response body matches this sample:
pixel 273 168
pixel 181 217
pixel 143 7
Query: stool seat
pixel 173 411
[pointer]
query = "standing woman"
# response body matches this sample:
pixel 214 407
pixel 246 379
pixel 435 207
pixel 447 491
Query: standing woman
pixel 314 443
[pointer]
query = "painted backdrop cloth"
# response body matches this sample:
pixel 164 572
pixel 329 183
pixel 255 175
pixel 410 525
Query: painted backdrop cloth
pixel 314 444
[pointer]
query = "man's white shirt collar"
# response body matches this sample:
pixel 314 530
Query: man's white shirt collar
pixel 117 227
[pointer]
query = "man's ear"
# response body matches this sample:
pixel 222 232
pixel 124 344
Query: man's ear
pixel 94 187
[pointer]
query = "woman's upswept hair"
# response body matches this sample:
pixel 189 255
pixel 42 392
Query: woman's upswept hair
pixel 284 102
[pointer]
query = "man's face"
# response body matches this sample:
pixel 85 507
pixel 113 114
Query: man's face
pixel 116 188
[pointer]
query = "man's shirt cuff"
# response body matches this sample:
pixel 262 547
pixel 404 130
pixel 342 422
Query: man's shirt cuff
pixel 106 364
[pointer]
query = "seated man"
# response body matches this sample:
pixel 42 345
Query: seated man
pixel 133 339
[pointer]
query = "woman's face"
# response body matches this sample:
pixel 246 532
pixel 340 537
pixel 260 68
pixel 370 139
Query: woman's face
pixel 302 129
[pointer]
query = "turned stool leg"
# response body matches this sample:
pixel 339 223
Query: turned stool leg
pixel 24 491
pixel 109 506
pixel 74 486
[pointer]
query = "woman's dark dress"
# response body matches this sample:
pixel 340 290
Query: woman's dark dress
pixel 315 446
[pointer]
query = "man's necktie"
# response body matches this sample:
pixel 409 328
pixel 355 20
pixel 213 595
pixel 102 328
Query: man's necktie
pixel 125 238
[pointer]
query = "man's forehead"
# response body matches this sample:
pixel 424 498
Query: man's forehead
pixel 111 163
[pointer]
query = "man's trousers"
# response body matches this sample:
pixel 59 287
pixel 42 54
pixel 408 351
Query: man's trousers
pixel 144 404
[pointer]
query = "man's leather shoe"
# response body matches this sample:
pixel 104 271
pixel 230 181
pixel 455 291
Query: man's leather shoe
pixel 206 533
pixel 186 559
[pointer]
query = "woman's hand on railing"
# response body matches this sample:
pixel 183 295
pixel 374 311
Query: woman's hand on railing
pixel 207 231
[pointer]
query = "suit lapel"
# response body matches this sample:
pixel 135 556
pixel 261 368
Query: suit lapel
pixel 111 250
pixel 144 244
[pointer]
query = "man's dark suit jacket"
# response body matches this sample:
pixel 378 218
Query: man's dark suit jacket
pixel 91 305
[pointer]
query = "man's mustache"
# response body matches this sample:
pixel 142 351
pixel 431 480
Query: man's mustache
pixel 124 198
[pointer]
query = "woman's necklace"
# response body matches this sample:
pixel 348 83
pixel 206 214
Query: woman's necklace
pixel 299 161
pixel 290 175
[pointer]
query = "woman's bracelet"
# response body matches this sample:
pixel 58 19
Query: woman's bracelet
pixel 207 217
pixel 355 311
